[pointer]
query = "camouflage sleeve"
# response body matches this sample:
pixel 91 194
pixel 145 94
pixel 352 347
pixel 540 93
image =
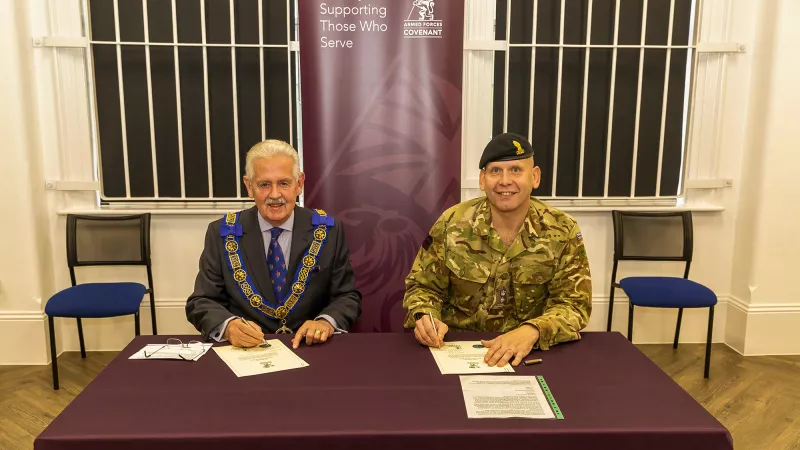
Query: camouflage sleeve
pixel 428 282
pixel 569 303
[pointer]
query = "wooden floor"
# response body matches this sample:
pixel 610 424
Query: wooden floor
pixel 756 398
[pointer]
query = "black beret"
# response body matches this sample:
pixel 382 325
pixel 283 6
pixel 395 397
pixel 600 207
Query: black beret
pixel 505 147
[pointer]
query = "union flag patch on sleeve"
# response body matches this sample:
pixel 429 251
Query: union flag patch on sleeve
pixel 427 242
pixel 579 236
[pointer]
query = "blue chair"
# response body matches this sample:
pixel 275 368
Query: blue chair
pixel 656 236
pixel 102 241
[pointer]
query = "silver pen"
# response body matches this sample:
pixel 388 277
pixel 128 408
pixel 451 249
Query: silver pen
pixel 433 322
pixel 253 328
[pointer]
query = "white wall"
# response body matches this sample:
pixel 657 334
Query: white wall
pixel 780 152
pixel 25 265
pixel 748 243
pixel 765 246
pixel 178 241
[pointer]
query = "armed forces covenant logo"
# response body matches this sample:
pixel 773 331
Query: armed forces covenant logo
pixel 421 23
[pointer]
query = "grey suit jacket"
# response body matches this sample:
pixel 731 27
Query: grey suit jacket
pixel 330 288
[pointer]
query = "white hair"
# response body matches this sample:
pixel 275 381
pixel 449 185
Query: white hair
pixel 270 149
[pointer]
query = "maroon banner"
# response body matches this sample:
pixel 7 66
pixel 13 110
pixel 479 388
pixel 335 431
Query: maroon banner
pixel 381 99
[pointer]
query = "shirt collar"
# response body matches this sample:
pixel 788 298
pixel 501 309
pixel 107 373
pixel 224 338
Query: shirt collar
pixel 482 220
pixel 266 226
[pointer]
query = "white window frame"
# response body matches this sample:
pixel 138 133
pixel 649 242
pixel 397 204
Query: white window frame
pixel 73 167
pixel 76 13
pixel 699 168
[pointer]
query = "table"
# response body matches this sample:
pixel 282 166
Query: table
pixel 379 391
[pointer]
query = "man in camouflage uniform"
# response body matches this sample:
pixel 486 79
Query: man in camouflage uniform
pixel 506 262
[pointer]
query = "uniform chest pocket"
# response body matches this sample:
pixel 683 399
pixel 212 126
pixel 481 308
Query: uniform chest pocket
pixel 533 273
pixel 467 282
pixel 530 287
pixel 468 271
pixel 536 267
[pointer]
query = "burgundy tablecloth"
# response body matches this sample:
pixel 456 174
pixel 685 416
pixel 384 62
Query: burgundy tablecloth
pixel 379 391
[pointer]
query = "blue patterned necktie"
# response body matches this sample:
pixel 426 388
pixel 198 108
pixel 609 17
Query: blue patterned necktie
pixel 277 265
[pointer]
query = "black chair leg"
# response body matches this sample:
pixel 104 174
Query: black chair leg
pixel 80 338
pixel 136 322
pixel 153 314
pixel 610 309
pixel 630 323
pixel 708 340
pixel 53 357
pixel 611 294
pixel 678 328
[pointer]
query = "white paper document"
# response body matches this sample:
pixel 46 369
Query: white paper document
pixel 501 397
pixel 464 357
pixel 272 356
pixel 183 352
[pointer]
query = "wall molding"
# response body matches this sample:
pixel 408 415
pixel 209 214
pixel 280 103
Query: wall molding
pixel 26 315
pixel 761 329
pixel 657 325
pixel 165 303
pixel 763 308
pixel 749 329
pixel 10 316
pixel 620 299
pixel 26 333
pixel 732 300
pixel 738 303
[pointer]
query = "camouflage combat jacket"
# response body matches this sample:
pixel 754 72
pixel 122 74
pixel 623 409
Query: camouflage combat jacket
pixel 466 277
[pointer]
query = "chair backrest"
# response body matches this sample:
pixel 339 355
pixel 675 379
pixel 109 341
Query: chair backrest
pixel 108 241
pixel 653 236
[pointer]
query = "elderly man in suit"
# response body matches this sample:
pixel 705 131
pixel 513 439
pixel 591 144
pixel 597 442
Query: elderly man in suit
pixel 274 267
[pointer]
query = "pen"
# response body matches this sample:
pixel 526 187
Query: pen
pixel 252 327
pixel 531 362
pixel 433 322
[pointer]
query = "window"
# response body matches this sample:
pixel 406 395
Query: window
pixel 183 88
pixel 601 87
pixel 180 89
